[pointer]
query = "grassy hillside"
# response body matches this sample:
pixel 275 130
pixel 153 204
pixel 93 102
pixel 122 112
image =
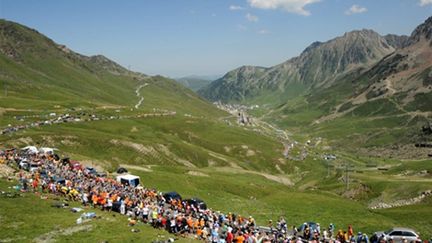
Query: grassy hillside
pixel 194 83
pixel 232 190
pixel 175 140
pixel 39 74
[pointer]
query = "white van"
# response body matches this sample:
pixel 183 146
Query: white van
pixel 129 180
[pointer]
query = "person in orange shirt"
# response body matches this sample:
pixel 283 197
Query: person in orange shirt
pixel 240 238
pixel 350 231
pixel 199 233
pixel 240 220
pixel 126 201
pixel 114 197
pixel 189 222
pixel 196 226
pixel 230 218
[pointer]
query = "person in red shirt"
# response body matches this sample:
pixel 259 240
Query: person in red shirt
pixel 163 222
pixel 230 237
pixel 35 184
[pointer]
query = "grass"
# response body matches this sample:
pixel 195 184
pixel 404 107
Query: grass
pixel 197 140
pixel 28 217
pixel 227 190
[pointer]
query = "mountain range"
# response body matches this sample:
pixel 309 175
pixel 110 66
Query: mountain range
pixel 361 89
pixel 196 82
pixel 353 56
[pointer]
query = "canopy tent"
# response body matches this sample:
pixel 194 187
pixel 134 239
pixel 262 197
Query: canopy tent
pixel 31 149
pixel 47 150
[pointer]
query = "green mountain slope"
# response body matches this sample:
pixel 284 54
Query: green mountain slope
pixel 194 82
pixel 378 89
pixel 143 119
pixel 319 65
pixel 40 74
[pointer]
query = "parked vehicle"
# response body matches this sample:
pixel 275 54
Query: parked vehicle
pixel 65 161
pixel 75 165
pixel 90 170
pixel 131 180
pixel 60 181
pixel 33 167
pixel 197 203
pixel 122 170
pixel 24 164
pixel 312 226
pixel 171 196
pixel 101 174
pixel 397 235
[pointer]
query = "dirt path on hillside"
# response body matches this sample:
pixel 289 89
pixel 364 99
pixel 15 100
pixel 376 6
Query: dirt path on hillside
pixel 138 94
pixel 389 86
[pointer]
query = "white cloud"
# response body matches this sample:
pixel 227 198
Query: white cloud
pixel 355 9
pixel 235 7
pixel 263 32
pixel 425 2
pixel 251 18
pixel 291 6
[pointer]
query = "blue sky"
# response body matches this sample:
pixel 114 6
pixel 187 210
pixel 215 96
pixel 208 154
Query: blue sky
pixel 207 37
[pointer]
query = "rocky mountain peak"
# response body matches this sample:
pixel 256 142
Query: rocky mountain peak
pixel 397 41
pixel 422 31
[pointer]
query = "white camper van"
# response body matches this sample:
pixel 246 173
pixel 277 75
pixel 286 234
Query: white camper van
pixel 129 179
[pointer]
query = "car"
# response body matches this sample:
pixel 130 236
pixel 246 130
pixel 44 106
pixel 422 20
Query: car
pixel 44 174
pixel 116 206
pixel 60 181
pixel 56 157
pixel 90 170
pixel 101 174
pixel 398 234
pixel 24 164
pixel 65 161
pixel 172 196
pixel 75 165
pixel 197 203
pixel 312 226
pixel 33 167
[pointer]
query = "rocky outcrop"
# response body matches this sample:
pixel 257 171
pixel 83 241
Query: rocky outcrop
pixel 397 41
pixel 403 202
pixel 422 31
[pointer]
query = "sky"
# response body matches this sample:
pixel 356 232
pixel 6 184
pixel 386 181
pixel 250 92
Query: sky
pixel 178 38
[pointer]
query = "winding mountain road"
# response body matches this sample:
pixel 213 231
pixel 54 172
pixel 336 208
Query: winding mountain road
pixel 137 92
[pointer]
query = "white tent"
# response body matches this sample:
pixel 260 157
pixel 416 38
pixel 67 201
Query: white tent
pixel 31 149
pixel 47 150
